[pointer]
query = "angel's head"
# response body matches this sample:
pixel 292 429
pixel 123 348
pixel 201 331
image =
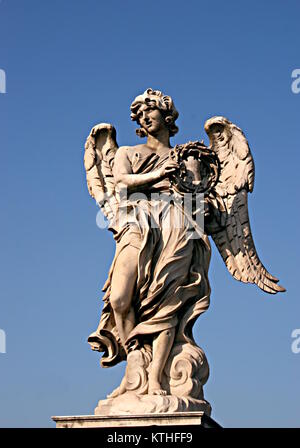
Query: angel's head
pixel 153 110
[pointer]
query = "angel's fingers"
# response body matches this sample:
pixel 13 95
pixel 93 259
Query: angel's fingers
pixel 172 165
pixel 171 169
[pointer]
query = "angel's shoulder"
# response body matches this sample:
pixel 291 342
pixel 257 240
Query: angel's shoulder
pixel 128 151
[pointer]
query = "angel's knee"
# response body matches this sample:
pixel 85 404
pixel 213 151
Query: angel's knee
pixel 120 303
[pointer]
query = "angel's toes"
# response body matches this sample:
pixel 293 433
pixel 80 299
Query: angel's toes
pixel 158 392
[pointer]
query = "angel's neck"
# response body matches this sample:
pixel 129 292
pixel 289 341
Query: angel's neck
pixel 157 142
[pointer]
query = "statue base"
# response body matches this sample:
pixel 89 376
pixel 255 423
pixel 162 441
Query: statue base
pixel 131 403
pixel 133 410
pixel 199 419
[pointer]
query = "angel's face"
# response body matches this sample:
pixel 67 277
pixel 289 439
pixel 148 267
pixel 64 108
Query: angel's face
pixel 151 119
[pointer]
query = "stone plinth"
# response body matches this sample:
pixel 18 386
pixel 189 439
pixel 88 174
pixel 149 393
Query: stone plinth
pixel 123 421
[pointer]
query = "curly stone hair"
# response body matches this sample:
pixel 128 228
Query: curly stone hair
pixel 162 102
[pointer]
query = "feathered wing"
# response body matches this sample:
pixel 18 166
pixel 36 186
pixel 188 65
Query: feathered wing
pixel 234 239
pixel 100 149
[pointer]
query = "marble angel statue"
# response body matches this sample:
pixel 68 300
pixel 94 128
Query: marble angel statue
pixel 158 283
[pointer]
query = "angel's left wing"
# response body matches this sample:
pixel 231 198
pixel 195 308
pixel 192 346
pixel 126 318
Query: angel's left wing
pixel 233 238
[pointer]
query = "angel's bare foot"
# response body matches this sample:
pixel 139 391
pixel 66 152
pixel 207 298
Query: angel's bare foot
pixel 119 390
pixel 158 392
pixel 155 388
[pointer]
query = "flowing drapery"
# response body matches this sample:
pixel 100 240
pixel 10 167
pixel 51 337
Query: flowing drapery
pixel 172 287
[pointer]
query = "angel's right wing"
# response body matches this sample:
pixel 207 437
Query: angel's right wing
pixel 100 149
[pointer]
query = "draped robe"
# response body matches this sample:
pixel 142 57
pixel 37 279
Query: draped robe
pixel 172 287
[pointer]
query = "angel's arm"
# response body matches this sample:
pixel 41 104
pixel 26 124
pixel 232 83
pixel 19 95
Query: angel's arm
pixel 125 178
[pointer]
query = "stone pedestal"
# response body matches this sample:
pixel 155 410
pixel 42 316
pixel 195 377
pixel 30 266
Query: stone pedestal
pixel 131 421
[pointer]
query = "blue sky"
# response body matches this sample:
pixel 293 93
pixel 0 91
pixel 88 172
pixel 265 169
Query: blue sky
pixel 72 64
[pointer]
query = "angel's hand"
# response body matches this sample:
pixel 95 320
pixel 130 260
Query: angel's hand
pixel 170 167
